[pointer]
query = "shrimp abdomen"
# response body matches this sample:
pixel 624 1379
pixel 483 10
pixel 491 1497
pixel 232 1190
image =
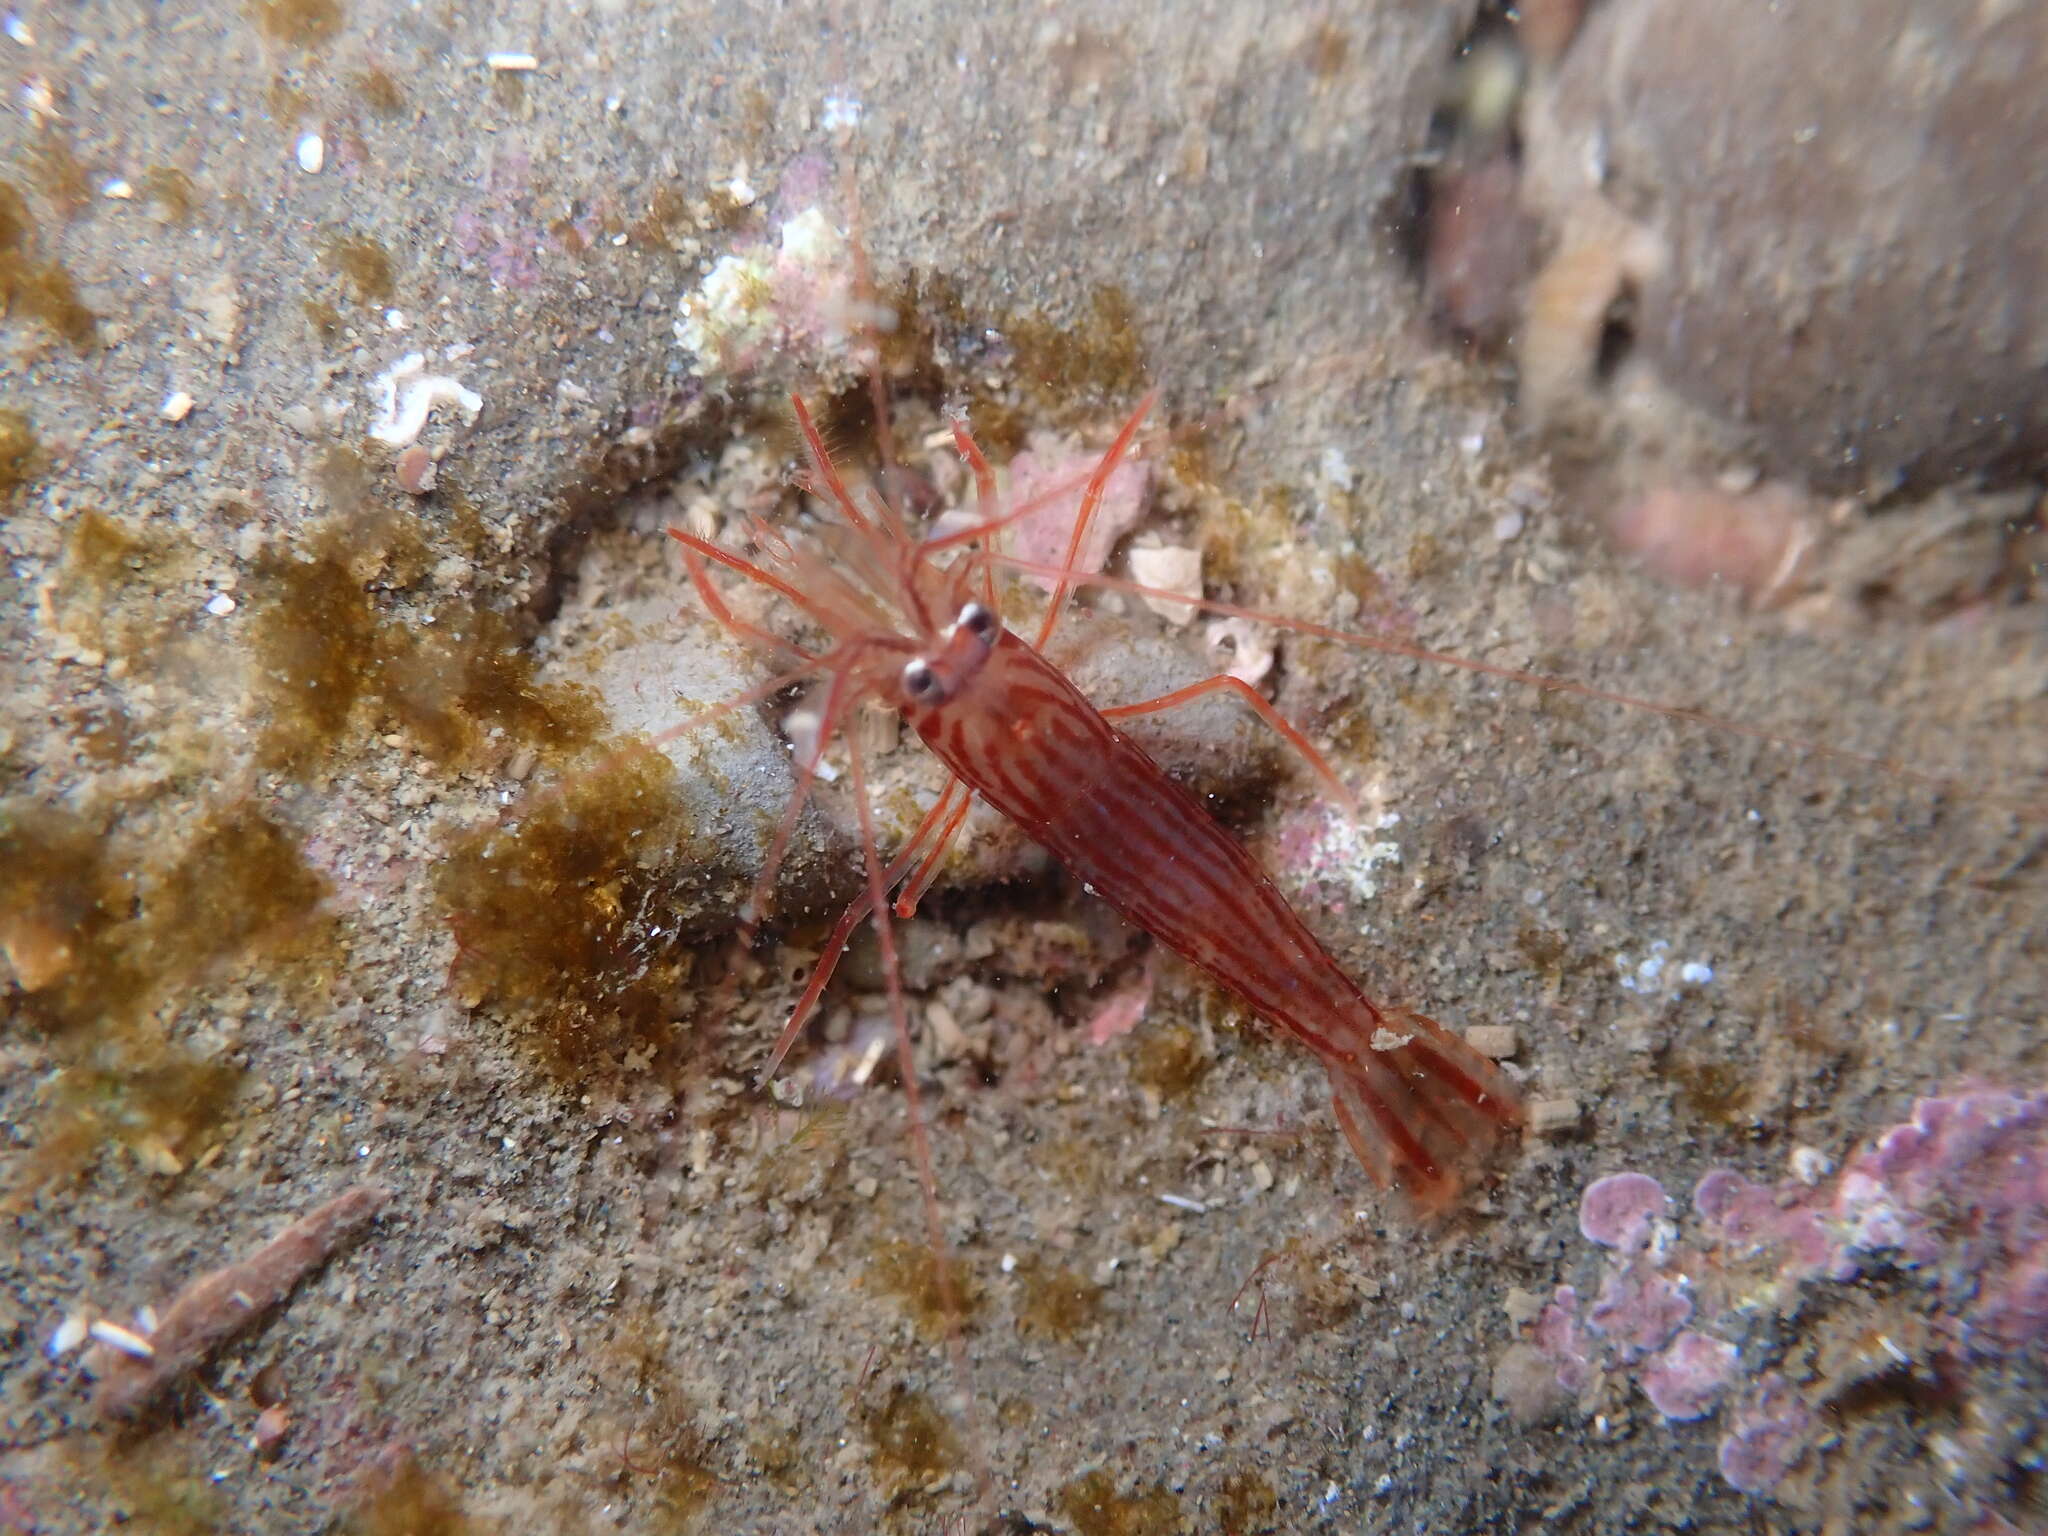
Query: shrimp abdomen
pixel 1416 1103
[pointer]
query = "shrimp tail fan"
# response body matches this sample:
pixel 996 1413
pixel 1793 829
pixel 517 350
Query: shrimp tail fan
pixel 1421 1108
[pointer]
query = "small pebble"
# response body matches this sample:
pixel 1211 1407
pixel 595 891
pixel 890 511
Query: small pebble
pixel 118 189
pixel 416 471
pixel 1559 1113
pixel 1496 1042
pixel 176 407
pixel 312 152
pixel 1507 526
pixel 220 605
pixel 503 62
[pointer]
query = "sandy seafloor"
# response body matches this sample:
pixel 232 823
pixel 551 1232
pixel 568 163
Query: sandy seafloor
pixel 628 1290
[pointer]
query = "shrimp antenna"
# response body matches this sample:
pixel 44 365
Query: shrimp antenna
pixel 2032 810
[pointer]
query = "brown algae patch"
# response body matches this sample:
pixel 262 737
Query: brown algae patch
pixel 1057 1300
pixel 335 663
pixel 915 1276
pixel 912 1447
pixel 364 266
pixel 305 24
pixel 1170 1060
pixel 101 932
pixel 108 589
pixel 1095 1508
pixel 171 192
pixel 565 920
pixel 21 453
pixel 33 287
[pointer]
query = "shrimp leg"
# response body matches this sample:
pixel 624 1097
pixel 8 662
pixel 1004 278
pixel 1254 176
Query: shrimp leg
pixel 1225 683
pixel 835 946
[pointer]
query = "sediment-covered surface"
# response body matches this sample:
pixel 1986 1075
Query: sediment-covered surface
pixel 331 866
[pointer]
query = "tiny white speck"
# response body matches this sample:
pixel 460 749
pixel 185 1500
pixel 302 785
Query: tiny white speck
pixel 1507 526
pixel 220 605
pixel 841 113
pixel 1009 1263
pixel 1336 468
pixel 615 104
pixel 1694 973
pixel 511 62
pixel 1331 1493
pixel 117 189
pixel 1383 1484
pixel 19 30
pixel 1473 443
pixel 176 407
pixel 394 320
pixel 1183 1203
pixel 312 153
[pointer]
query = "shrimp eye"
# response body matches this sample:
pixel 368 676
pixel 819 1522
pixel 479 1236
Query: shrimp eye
pixel 977 621
pixel 919 680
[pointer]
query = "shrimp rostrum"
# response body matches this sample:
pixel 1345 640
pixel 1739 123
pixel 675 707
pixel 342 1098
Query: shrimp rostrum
pixel 914 622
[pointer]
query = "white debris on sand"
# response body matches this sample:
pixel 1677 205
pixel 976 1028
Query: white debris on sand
pixel 405 394
pixel 1168 568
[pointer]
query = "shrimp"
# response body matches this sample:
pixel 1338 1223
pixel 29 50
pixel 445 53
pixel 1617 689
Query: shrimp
pixel 914 623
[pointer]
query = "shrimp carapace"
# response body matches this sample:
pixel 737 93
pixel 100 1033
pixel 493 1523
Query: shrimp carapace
pixel 913 622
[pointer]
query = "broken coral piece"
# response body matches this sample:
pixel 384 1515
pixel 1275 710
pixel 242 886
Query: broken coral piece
pixel 220 1303
pixel 1175 568
pixel 1249 646
pixel 405 395
pixel 798 298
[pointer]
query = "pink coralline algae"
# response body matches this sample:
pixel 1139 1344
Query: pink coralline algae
pixel 1686 1380
pixel 1639 1309
pixel 1744 1305
pixel 1768 1435
pixel 1617 1211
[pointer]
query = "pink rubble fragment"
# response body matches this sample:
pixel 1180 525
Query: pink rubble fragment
pixel 1044 469
pixel 1120 1012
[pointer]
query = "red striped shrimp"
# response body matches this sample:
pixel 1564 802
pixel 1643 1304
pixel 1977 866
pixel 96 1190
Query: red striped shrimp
pixel 914 623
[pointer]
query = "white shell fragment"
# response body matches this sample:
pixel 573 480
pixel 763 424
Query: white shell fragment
pixel 405 394
pixel 1251 648
pixel 312 153
pixel 119 189
pixel 1169 568
pixel 177 406
pixel 511 62
pixel 126 1340
pixel 68 1335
